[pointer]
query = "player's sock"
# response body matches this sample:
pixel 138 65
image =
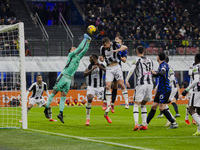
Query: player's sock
pixel 196 118
pixel 168 116
pixel 28 110
pixel 187 113
pixel 114 95
pixel 108 98
pixel 50 99
pixel 175 107
pixel 88 110
pixel 136 113
pixel 50 112
pixel 150 115
pixel 125 95
pixel 62 103
pixel 167 108
pixel 144 114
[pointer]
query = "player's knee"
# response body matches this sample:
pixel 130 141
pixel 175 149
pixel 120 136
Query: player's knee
pixel 108 87
pixel 154 107
pixel 191 110
pixel 89 98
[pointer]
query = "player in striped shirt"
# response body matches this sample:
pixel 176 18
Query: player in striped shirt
pixel 163 92
pixel 94 73
pixel 142 67
pixel 63 82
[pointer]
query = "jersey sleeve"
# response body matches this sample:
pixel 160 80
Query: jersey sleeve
pixel 31 87
pixel 171 71
pixel 196 69
pixel 90 67
pixel 102 65
pixel 124 54
pixel 45 87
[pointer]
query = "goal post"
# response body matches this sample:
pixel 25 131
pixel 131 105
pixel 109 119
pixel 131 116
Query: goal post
pixel 13 102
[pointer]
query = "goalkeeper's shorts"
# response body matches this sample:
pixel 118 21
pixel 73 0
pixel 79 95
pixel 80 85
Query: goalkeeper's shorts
pixel 63 83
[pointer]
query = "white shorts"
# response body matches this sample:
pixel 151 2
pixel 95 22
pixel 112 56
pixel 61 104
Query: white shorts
pixel 173 93
pixel 99 92
pixel 39 101
pixel 143 92
pixel 114 72
pixel 194 99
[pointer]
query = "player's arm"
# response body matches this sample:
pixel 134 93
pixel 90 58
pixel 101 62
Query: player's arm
pixel 124 56
pixel 130 73
pixel 102 67
pixel 122 48
pixel 157 74
pixel 179 92
pixel 29 90
pixel 89 70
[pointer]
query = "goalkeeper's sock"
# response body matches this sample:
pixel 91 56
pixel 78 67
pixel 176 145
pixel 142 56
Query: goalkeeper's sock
pixel 62 103
pixel 88 110
pixel 50 99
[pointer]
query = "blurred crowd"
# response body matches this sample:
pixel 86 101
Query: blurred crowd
pixel 153 20
pixel 7 15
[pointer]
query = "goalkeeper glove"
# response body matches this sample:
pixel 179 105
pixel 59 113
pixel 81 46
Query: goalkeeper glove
pixel 184 93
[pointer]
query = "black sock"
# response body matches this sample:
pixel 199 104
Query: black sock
pixel 150 115
pixel 61 112
pixel 114 95
pixel 104 94
pixel 168 116
pixel 161 113
pixel 175 107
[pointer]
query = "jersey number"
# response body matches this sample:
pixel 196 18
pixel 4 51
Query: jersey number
pixel 148 66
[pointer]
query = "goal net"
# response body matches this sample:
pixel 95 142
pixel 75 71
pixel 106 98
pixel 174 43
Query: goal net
pixel 13 104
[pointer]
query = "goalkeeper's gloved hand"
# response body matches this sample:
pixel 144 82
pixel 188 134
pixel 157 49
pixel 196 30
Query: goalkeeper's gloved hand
pixel 184 93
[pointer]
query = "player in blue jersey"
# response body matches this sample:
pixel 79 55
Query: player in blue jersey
pixel 163 92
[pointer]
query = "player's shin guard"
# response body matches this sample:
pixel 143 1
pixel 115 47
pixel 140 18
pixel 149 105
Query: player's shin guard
pixel 196 118
pixel 144 114
pixel 50 99
pixel 125 95
pixel 175 107
pixel 168 116
pixel 150 115
pixel 50 112
pixel 62 103
pixel 136 113
pixel 88 110
pixel 114 95
pixel 187 113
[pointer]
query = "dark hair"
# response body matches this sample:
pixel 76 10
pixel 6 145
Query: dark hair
pixel 166 59
pixel 161 55
pixel 105 40
pixel 94 55
pixel 140 49
pixel 70 49
pixel 197 57
pixel 38 75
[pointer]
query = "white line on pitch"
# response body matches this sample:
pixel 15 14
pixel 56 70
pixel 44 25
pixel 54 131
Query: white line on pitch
pixel 91 140
pixel 155 137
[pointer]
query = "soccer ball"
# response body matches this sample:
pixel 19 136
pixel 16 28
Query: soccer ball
pixel 91 29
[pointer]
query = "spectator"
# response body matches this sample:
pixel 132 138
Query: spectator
pixel 75 86
pixel 27 50
pixel 84 86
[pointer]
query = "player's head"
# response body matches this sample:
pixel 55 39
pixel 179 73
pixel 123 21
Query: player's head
pixel 71 49
pixel 140 50
pixel 166 59
pixel 93 58
pixel 197 58
pixel 119 39
pixel 39 78
pixel 161 56
pixel 106 42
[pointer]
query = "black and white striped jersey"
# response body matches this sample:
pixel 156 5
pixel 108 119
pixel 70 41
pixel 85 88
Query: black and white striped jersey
pixel 37 90
pixel 143 67
pixel 172 77
pixel 108 55
pixel 95 79
pixel 194 70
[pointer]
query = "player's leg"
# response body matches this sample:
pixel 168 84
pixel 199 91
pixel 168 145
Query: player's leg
pixel 168 122
pixel 29 107
pixel 104 100
pixel 124 92
pixel 62 106
pixel 114 94
pixel 187 115
pixel 175 107
pixel 108 97
pixel 90 96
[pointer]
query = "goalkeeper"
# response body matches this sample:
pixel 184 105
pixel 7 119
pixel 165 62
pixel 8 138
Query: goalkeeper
pixel 63 82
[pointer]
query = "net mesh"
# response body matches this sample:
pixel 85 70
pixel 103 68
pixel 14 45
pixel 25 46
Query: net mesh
pixel 10 101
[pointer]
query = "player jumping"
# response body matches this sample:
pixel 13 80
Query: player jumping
pixel 95 72
pixel 142 67
pixel 63 82
pixel 109 51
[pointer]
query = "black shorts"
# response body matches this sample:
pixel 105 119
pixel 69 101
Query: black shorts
pixel 162 97
pixel 176 96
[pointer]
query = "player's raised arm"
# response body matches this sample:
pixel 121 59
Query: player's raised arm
pixel 89 70
pixel 122 48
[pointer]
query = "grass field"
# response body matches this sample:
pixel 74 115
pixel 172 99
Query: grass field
pixel 100 135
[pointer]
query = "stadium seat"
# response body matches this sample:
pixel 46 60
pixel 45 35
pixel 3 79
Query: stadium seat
pixel 150 50
pixel 188 51
pixel 195 50
pixel 181 50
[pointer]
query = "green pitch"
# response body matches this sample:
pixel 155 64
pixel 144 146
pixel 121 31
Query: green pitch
pixel 100 135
